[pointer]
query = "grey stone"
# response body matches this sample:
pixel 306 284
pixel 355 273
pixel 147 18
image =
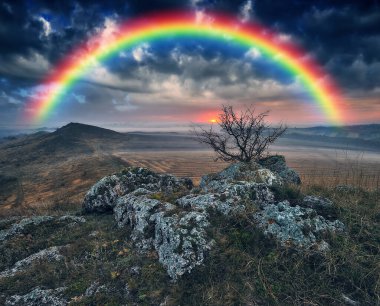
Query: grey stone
pixel 277 164
pixel 135 212
pixel 23 225
pixel 296 226
pixel 103 195
pixel 95 288
pixel 39 297
pixel 50 255
pixel 223 203
pixel 181 241
pixel 323 206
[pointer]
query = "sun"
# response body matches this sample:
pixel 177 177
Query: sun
pixel 213 120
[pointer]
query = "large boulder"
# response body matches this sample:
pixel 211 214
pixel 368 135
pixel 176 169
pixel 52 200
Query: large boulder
pixel 103 195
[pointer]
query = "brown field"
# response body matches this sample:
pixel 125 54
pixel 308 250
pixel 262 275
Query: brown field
pixel 323 167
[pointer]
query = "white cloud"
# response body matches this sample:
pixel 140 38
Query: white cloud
pixel 124 105
pixel 246 11
pixel 253 53
pixel 25 66
pixel 283 37
pixel 81 99
pixel 45 25
pixel 141 52
pixel 203 18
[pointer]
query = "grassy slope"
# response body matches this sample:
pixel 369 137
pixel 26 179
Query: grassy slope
pixel 243 267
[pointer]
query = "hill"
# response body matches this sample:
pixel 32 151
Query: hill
pixel 40 167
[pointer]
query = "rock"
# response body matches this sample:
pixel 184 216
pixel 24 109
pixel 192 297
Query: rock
pixel 248 172
pixel 70 218
pixel 277 164
pixel 95 288
pixel 220 202
pixel 50 255
pixel 103 195
pixel 135 212
pixel 135 270
pixel 178 232
pixel 39 297
pixel 180 240
pixel 296 226
pixel 323 206
pixel 23 225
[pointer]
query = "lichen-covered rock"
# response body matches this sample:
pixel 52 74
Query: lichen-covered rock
pixel 181 241
pixel 25 225
pixel 135 212
pixel 95 288
pixel 323 206
pixel 248 172
pixel 178 232
pixel 277 164
pixel 48 255
pixel 39 297
pixel 296 226
pixel 223 203
pixel 258 194
pixel 72 219
pixel 22 226
pixel 103 195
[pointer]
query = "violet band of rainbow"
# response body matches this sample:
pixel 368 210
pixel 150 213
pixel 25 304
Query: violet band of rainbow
pixel 184 24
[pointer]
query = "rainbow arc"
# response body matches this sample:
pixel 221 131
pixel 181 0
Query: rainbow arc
pixel 285 54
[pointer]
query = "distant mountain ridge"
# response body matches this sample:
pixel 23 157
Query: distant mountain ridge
pixel 365 132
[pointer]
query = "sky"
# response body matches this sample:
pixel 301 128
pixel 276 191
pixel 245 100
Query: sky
pixel 171 83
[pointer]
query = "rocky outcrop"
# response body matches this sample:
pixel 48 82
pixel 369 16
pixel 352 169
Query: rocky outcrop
pixel 167 215
pixel 39 297
pixel 48 255
pixel 103 195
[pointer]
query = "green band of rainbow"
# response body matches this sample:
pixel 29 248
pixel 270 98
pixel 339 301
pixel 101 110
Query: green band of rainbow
pixel 184 24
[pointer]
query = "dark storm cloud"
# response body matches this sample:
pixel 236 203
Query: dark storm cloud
pixel 343 36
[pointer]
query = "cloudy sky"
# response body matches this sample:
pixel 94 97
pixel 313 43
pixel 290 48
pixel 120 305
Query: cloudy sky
pixel 170 83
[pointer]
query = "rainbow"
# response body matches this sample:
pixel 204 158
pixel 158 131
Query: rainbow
pixel 188 24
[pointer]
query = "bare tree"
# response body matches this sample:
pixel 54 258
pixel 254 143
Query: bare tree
pixel 241 137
